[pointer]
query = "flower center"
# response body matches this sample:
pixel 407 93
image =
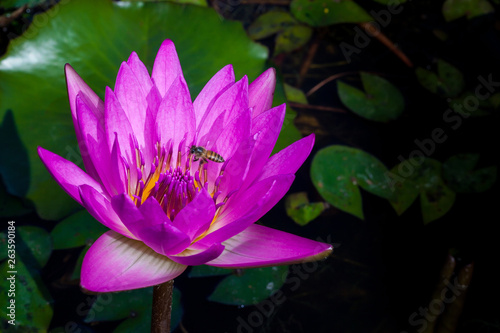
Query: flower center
pixel 170 182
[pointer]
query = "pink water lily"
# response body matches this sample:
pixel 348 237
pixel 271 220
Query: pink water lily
pixel 165 210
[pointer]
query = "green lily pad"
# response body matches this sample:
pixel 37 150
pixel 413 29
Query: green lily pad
pixel 299 209
pixel 338 171
pixel 454 9
pixel 292 38
pixel 95 36
pixel 468 105
pixel 250 286
pixel 33 311
pixel 381 100
pixel 77 230
pixel 448 81
pixel 205 270
pixel 32 244
pixel 318 13
pixel 295 94
pixel 460 174
pixel 421 177
pixel 270 23
pixel 290 34
pixel 133 305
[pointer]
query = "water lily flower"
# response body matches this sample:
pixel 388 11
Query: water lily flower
pixel 165 208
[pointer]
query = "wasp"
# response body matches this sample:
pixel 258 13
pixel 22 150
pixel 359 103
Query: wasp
pixel 205 154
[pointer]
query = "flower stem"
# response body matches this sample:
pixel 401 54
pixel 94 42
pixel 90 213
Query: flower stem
pixel 162 307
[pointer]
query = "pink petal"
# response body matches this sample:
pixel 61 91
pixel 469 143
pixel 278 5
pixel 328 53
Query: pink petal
pixel 159 232
pixel 247 207
pixel 128 213
pixel 228 142
pixel 196 217
pixel 207 96
pixel 67 174
pixel 132 97
pixel 76 86
pixel 232 102
pixel 175 120
pixel 150 224
pixel 237 167
pixel 271 188
pixel 118 171
pixel 233 134
pixel 119 128
pixel 140 72
pixel 289 159
pixel 150 135
pixel 196 257
pixel 100 208
pixel 260 246
pixel 266 127
pixel 223 231
pixel 261 92
pixel 166 67
pixel 98 150
pixel 116 263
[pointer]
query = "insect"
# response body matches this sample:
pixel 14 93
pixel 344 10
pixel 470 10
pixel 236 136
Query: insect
pixel 205 154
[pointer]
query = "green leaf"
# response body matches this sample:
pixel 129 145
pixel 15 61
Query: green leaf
pixel 462 105
pixel 448 81
pixel 299 209
pixel 133 305
pixel 406 189
pixel 140 323
pixel 250 286
pixel 295 94
pixel 32 244
pixel 429 80
pixel 270 23
pixel 454 9
pixel 205 270
pixel 318 13
pixel 33 312
pixel 382 101
pixel 460 174
pixel 77 230
pixel 292 38
pixel 95 36
pixel 422 177
pixel 290 34
pixel 120 305
pixel 337 171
